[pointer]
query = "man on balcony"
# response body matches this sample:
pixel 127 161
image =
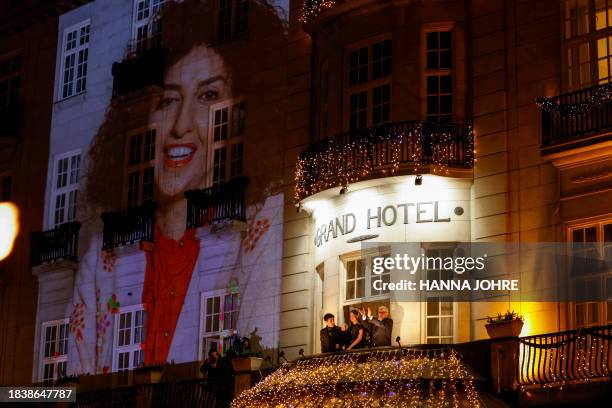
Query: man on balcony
pixel 331 335
pixel 380 328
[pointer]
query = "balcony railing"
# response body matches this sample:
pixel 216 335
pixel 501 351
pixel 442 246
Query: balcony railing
pixel 9 120
pixel 56 244
pixel 140 71
pixel 225 201
pixel 190 393
pixel 128 226
pixel 385 149
pixel 574 117
pixel 558 358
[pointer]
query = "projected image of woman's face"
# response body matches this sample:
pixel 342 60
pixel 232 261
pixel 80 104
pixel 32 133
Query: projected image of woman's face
pixel 181 113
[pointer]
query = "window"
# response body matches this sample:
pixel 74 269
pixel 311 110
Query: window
pixel 232 18
pixel 439 320
pixel 140 165
pixel 219 315
pixel 75 56
pixel 438 76
pixel 439 310
pixel 54 350
pixel 227 141
pixel 368 87
pixel 587 42
pixel 359 279
pixel 129 335
pixel 64 200
pixel 10 78
pixel 147 28
pixel 6 187
pixel 591 248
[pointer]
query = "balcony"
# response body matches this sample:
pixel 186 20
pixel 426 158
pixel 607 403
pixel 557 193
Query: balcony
pixel 9 120
pixel 139 71
pixel 129 226
pixel 575 120
pixel 225 201
pixel 392 149
pixel 60 243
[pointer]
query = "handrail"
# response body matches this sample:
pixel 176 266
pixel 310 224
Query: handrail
pixel 357 155
pixel 52 245
pixel 572 355
pixel 128 226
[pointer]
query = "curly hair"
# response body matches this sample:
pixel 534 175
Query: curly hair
pixel 186 25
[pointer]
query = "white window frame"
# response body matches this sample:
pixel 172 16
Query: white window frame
pixel 370 277
pixel 438 72
pixel 222 335
pixel 228 142
pixel 604 279
pixel 63 358
pixel 369 85
pixel 154 15
pixel 141 166
pixel 437 294
pixel 79 47
pixel 132 347
pixel 66 190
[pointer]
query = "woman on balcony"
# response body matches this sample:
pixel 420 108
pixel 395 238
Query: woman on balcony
pixel 196 76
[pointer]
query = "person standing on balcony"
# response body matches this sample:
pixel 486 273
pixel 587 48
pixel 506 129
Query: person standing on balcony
pixel 379 327
pixel 356 332
pixel 331 335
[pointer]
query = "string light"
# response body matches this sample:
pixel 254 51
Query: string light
pixel 398 377
pixel 348 158
pixel 312 8
pixel 599 96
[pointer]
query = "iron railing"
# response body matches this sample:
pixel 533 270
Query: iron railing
pixel 139 71
pixel 189 393
pixel 384 149
pixel 562 128
pixel 10 117
pixel 128 226
pixel 568 356
pixel 225 201
pixel 58 243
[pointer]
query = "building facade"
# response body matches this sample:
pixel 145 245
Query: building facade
pixel 385 80
pixel 230 187
pixel 164 198
pixel 27 60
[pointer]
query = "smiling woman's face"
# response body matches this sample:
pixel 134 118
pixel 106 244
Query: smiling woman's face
pixel 181 115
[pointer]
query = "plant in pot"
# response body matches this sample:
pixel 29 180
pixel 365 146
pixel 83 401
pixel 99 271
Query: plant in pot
pixel 148 374
pixel 508 324
pixel 246 359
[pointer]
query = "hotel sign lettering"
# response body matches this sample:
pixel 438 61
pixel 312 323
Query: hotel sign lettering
pixel 378 217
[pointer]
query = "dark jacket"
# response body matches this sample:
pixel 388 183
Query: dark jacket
pixel 380 331
pixel 330 338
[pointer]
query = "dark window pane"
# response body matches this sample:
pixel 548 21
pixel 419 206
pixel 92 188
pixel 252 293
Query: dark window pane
pixel 432 85
pixel 432 60
pixel 446 104
pixel 445 59
pixel 432 41
pixel 432 104
pixel 445 39
pixel 446 84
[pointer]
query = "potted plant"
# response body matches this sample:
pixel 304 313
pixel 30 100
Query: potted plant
pixel 508 324
pixel 149 374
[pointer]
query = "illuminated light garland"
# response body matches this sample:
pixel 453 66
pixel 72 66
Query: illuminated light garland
pixel 389 378
pixel 312 8
pixel 599 96
pixel 348 158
